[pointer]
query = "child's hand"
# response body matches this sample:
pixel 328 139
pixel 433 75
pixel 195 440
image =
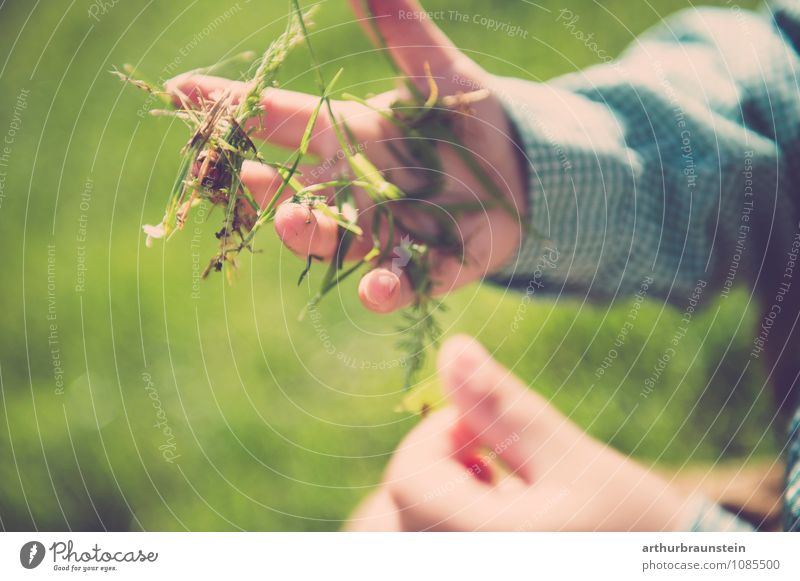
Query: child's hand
pixel 501 458
pixel 489 237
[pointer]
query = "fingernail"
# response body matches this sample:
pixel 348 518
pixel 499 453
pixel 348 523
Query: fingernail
pixel 382 290
pixel 467 362
pixel 389 283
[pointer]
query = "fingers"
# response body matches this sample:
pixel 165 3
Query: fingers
pixel 311 232
pixel 286 113
pixel 307 232
pixel 383 291
pixel 262 181
pixel 514 422
pixel 432 489
pixel 380 293
pixel 412 38
pixel 377 513
pixel 199 88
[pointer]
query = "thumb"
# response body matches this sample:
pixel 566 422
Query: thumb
pixel 515 423
pixel 410 35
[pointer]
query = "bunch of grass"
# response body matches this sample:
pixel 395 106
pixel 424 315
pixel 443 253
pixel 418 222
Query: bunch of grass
pixel 212 160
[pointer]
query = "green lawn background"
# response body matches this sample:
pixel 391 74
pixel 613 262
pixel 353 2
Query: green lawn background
pixel 272 432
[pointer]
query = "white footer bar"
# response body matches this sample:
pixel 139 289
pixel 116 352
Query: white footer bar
pixel 401 557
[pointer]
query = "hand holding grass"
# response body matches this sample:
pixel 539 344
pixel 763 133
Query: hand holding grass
pixel 463 200
pixel 436 203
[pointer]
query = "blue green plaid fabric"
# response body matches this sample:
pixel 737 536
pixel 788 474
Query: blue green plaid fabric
pixel 793 477
pixel 676 164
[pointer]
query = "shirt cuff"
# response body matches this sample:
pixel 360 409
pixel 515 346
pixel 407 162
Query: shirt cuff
pixel 578 182
pixel 536 251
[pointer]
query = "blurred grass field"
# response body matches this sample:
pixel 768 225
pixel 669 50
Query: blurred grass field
pixel 276 424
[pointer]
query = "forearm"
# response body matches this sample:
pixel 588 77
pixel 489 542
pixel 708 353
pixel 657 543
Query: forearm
pixel 668 164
